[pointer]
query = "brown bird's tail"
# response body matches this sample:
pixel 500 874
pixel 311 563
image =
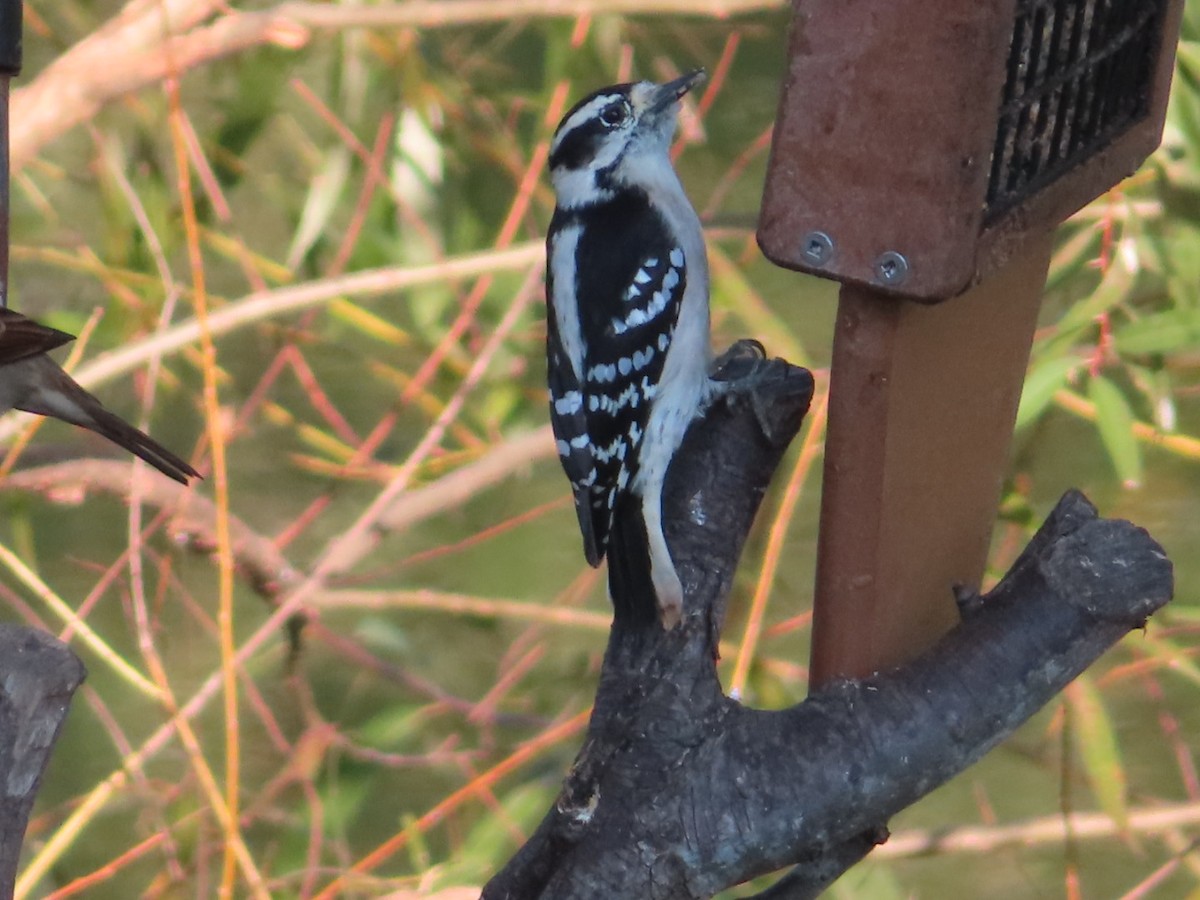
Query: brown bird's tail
pixel 45 389
pixel 138 443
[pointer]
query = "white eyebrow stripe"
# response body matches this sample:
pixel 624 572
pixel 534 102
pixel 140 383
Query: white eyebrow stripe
pixel 581 115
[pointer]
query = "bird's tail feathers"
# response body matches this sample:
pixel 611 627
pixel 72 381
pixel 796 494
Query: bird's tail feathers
pixel 140 444
pixel 60 397
pixel 593 547
pixel 630 581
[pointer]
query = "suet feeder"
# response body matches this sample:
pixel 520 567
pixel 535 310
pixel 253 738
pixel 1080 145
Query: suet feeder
pixel 923 154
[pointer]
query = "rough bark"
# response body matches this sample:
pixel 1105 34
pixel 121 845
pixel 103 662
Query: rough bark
pixel 680 791
pixel 38 675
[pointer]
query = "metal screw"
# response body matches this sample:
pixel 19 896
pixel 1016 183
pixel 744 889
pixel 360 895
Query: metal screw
pixel 818 248
pixel 891 268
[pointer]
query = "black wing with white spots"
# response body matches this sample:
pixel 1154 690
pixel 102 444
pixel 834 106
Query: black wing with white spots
pixel 570 426
pixel 630 280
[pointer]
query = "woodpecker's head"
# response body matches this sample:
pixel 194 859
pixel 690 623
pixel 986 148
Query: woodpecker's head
pixel 615 138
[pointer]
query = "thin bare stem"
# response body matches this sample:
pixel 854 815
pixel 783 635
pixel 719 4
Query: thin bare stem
pixel 90 638
pixel 527 752
pixel 512 455
pixel 235 852
pixel 1047 830
pixel 261 305
pixel 463 604
pixel 132 52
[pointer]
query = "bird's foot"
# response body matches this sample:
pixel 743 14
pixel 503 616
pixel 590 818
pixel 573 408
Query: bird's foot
pixel 744 374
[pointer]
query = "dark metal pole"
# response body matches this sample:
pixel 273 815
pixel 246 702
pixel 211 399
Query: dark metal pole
pixel 10 67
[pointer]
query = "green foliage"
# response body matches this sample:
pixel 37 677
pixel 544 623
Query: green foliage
pixel 1098 748
pixel 1114 419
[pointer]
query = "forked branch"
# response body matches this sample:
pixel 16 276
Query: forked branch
pixel 680 792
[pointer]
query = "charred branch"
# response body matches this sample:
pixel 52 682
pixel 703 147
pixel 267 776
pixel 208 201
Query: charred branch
pixel 680 791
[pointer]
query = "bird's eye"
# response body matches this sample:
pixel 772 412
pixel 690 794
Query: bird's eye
pixel 614 115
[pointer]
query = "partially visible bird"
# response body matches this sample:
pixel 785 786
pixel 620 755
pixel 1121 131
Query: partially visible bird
pixel 21 337
pixel 32 382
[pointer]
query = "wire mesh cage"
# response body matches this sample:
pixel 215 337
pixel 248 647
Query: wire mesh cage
pixel 1078 76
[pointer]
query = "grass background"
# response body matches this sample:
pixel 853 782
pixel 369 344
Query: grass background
pixel 302 244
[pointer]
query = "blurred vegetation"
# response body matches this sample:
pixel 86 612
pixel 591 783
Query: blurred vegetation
pixel 353 216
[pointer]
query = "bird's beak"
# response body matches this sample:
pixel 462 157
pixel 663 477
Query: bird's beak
pixel 668 94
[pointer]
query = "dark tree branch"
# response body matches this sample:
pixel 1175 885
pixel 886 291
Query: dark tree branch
pixel 38 675
pixel 808 879
pixel 680 792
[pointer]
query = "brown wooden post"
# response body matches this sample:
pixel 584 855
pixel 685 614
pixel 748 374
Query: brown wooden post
pixel 921 410
pixel 925 150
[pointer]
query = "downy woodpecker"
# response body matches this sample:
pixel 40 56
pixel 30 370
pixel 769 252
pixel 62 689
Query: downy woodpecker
pixel 628 325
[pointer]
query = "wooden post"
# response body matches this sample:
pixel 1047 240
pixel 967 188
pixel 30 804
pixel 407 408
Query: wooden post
pixel 921 407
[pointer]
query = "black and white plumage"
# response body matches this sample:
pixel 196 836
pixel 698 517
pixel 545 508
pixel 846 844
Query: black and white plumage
pixel 32 382
pixel 628 325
